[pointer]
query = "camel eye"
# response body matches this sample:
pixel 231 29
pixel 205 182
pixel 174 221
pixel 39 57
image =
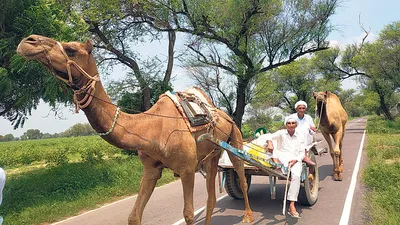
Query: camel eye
pixel 70 52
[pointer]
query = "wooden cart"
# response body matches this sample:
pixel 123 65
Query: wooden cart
pixel 258 163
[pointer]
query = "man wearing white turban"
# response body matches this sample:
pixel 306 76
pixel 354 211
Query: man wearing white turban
pixel 290 152
pixel 305 125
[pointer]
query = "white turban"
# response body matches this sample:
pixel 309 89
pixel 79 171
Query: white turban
pixel 290 118
pixel 300 103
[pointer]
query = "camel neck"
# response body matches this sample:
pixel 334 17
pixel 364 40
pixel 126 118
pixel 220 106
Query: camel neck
pixel 133 131
pixel 321 110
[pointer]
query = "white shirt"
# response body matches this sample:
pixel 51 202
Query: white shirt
pixel 303 125
pixel 305 122
pixel 288 147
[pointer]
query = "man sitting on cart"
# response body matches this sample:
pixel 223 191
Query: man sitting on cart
pixel 290 152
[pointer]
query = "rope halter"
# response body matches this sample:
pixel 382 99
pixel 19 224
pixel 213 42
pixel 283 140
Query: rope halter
pixel 87 89
pixel 320 112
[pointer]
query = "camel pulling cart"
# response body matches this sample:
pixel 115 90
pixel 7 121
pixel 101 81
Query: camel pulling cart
pixel 258 162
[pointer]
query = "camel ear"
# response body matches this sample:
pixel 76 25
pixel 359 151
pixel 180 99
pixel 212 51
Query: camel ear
pixel 313 94
pixel 89 46
pixel 327 93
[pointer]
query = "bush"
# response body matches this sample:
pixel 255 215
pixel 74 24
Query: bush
pixel 380 125
pixel 382 173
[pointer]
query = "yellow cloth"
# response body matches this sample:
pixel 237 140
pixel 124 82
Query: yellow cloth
pixel 257 153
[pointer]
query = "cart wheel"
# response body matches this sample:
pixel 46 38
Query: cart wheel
pixel 232 184
pixel 308 194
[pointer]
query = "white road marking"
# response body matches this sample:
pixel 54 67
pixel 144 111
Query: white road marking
pixel 344 219
pixel 198 211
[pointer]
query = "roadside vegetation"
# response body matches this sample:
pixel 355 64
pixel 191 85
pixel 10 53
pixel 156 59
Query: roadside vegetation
pixel 51 179
pixel 382 173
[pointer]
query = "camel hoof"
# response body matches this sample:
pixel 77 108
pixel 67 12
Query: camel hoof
pixel 248 218
pixel 337 177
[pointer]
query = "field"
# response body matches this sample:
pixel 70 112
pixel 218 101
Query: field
pixel 382 173
pixel 51 179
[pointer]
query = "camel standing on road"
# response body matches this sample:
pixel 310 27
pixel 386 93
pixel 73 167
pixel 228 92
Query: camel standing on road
pixel 161 135
pixel 333 119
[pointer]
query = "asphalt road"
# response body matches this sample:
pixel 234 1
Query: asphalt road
pixel 336 204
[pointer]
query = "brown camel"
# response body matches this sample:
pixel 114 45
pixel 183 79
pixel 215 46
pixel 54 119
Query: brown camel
pixel 333 119
pixel 161 134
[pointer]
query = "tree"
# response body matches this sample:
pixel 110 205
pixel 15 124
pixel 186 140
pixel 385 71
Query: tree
pixel 32 134
pixel 376 64
pixel 79 129
pixel 245 38
pixel 115 28
pixel 284 86
pixel 24 83
pixel 361 104
pixel 7 137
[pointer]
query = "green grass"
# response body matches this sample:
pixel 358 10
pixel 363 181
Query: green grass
pixel 382 173
pixel 41 193
pixel 55 151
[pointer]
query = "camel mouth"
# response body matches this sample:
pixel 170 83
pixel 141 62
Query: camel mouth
pixel 61 74
pixel 29 51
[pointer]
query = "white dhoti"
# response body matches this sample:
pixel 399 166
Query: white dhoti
pixel 295 182
pixel 295 170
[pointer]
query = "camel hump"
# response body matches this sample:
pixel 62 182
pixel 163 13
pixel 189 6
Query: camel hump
pixel 333 96
pixel 200 94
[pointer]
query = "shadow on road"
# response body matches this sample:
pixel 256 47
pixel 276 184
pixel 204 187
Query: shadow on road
pixel 325 171
pixel 230 211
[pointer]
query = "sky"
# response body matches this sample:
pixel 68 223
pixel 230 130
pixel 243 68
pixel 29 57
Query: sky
pixel 373 15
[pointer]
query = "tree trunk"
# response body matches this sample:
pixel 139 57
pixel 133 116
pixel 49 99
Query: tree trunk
pixel 171 45
pixel 146 99
pixel 240 102
pixel 382 101
pixel 385 109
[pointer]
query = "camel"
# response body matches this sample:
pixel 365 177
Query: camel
pixel 160 134
pixel 333 119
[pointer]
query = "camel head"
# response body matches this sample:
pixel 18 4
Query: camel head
pixel 71 62
pixel 320 97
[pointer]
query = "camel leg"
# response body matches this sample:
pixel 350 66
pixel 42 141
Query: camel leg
pixel 340 146
pixel 149 179
pixel 329 141
pixel 332 152
pixel 340 158
pixel 211 168
pixel 187 179
pixel 239 168
pixel 338 155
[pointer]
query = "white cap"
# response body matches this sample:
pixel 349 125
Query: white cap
pixel 290 118
pixel 300 103
pixel 2 182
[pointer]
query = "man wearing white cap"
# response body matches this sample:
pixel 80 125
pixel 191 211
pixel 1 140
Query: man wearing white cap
pixel 290 152
pixel 305 125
